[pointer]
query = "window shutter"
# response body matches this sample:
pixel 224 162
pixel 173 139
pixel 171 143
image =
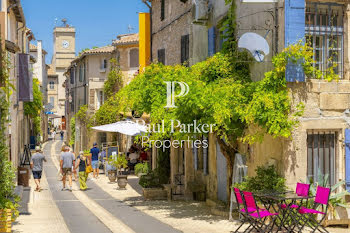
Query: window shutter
pixel 25 79
pixel 211 41
pixel 162 10
pixel 161 56
pixel 185 48
pixel 294 31
pixel 347 159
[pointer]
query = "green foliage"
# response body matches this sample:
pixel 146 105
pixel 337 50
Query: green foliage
pixel 160 175
pixel 84 116
pixel 336 198
pixel 114 79
pixel 109 112
pixel 119 163
pixel 8 200
pixel 141 168
pixel 151 180
pixel 34 108
pixel 266 180
pixel 72 130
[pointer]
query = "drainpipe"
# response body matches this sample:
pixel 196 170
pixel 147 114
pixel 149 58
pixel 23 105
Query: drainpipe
pixel 150 12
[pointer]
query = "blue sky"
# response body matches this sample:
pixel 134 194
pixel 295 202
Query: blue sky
pixel 97 22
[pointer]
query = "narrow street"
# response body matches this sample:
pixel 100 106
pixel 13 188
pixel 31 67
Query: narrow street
pixel 90 211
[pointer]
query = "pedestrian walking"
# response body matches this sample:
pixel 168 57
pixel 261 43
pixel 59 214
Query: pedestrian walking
pixel 94 160
pixel 53 135
pixel 62 135
pixel 67 161
pixel 36 164
pixel 82 163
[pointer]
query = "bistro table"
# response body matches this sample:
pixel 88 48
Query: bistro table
pixel 287 199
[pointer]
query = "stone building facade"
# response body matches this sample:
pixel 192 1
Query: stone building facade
pixel 320 140
pixel 85 80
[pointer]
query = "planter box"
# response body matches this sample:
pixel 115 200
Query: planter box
pixel 154 193
pixel 340 217
pixel 5 220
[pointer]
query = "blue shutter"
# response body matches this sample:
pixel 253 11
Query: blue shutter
pixel 294 31
pixel 211 41
pixel 347 159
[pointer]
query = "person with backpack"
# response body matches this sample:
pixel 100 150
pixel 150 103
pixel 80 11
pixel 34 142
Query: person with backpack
pixel 83 165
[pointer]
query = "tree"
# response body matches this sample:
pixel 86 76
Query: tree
pixel 221 93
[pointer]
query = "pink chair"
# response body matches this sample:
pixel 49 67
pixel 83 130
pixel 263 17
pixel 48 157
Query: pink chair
pixel 257 218
pixel 321 201
pixel 301 190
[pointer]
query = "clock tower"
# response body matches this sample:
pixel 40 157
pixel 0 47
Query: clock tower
pixel 63 54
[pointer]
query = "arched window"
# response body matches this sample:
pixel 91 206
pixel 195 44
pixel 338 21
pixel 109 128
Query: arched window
pixel 134 58
pixel 52 85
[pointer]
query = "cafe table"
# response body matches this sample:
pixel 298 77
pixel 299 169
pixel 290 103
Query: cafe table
pixel 281 203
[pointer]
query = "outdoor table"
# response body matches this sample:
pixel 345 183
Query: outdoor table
pixel 276 200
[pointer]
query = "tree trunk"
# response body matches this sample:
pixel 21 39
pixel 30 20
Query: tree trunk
pixel 229 153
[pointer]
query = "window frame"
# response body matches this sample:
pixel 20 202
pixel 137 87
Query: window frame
pixel 315 27
pixel 313 156
pixel 52 85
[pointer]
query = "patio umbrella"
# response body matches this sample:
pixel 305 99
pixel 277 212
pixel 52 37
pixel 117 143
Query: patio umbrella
pixel 126 127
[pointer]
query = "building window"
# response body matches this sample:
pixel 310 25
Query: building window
pixel 162 10
pixel 324 32
pixel 104 64
pixel 52 84
pixel 100 99
pixel 134 58
pixel 161 56
pixel 52 101
pixel 321 156
pixel 185 49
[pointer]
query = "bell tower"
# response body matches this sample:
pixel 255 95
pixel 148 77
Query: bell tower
pixel 63 54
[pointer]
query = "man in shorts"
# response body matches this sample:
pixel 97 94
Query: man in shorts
pixel 94 160
pixel 36 164
pixel 67 161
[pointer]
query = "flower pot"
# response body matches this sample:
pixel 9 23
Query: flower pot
pixel 122 181
pixel 112 176
pixel 5 220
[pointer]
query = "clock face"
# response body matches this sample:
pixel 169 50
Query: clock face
pixel 65 44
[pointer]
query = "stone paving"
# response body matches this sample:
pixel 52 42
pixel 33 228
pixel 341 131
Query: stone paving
pixel 184 216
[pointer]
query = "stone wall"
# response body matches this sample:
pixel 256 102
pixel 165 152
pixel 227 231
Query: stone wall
pixel 177 22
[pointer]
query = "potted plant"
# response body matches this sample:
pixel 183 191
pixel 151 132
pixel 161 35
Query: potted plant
pixel 111 170
pixel 338 211
pixel 121 163
pixel 152 188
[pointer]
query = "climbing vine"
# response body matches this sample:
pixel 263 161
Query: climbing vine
pixel 34 108
pixel 8 200
pixel 221 93
pixel 114 79
pixel 72 131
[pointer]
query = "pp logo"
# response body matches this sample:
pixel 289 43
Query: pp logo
pixel 170 88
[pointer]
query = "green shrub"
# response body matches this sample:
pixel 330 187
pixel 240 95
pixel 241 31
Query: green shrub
pixel 141 168
pixel 266 180
pixel 151 180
